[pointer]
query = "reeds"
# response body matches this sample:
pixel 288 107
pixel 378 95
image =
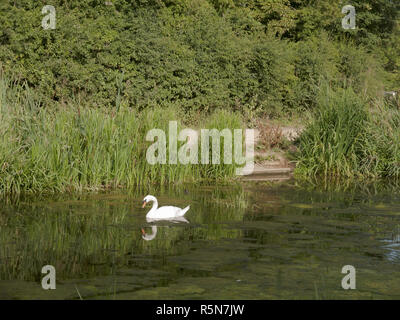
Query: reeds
pixel 65 148
pixel 350 139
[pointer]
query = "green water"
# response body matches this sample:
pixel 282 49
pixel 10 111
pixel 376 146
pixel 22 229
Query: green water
pixel 255 241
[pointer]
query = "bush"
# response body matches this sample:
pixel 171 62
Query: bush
pixel 176 53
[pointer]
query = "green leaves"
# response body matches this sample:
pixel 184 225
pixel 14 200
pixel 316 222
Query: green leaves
pixel 200 55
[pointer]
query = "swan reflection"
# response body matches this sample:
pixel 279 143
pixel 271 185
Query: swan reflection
pixel 152 235
pixel 149 237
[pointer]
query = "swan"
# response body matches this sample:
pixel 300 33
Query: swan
pixel 163 213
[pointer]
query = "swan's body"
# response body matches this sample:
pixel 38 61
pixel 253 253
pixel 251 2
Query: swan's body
pixel 163 213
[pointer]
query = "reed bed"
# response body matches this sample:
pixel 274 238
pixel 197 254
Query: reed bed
pixel 350 138
pixel 64 148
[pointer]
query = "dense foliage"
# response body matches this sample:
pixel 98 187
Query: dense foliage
pixel 257 55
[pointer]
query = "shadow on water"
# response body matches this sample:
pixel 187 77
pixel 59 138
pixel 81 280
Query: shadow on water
pixel 250 241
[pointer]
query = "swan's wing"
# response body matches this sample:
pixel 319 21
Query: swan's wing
pixel 167 212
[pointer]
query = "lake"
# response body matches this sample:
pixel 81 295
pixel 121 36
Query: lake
pixel 247 241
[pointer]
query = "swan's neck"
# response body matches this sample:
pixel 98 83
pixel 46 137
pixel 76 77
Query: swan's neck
pixel 151 236
pixel 155 205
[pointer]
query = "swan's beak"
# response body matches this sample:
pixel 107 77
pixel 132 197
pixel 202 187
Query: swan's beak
pixel 143 233
pixel 144 203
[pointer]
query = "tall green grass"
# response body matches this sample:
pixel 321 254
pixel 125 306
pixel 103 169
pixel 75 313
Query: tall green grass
pixel 68 149
pixel 350 138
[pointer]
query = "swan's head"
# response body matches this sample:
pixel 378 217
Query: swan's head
pixel 148 198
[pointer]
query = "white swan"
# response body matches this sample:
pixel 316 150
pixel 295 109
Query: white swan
pixel 163 213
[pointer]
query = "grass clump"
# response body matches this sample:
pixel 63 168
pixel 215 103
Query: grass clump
pixel 349 138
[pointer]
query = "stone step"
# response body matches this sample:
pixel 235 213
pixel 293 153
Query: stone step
pixel 266 177
pixel 271 164
pixel 265 170
pixel 261 173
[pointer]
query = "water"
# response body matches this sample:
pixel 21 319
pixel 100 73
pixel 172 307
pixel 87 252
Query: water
pixel 255 241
